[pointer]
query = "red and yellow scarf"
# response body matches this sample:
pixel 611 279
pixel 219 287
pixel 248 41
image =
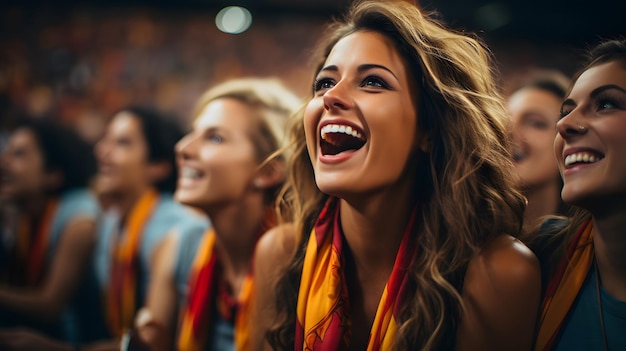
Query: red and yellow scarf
pixel 205 294
pixel 323 305
pixel 121 303
pixel 32 247
pixel 565 285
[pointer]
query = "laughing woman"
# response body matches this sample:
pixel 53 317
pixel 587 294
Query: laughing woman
pixel 585 303
pixel 403 200
pixel 225 172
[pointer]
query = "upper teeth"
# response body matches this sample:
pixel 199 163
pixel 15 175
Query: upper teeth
pixel 338 128
pixel 580 157
pixel 187 172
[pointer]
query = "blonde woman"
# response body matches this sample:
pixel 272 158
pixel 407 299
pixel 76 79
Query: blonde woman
pixel 230 172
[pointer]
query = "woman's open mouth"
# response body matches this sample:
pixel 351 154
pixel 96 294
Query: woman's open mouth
pixel 339 138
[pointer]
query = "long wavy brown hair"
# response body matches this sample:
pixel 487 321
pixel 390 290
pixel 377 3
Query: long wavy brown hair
pixel 465 182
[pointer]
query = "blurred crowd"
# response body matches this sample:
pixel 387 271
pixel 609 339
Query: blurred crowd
pixel 78 66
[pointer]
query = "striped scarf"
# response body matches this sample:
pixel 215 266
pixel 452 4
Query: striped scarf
pixel 565 285
pixel 323 322
pixel 32 247
pixel 122 292
pixel 205 295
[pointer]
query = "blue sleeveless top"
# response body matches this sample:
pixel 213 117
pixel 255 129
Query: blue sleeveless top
pixel 80 322
pixel 77 319
pixel 169 217
pixel 185 255
pixel 582 330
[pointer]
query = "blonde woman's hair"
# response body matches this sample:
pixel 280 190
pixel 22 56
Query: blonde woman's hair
pixel 272 103
pixel 269 98
pixel 464 184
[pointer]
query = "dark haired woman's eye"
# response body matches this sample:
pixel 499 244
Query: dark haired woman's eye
pixel 538 124
pixel 322 84
pixel 607 104
pixel 123 141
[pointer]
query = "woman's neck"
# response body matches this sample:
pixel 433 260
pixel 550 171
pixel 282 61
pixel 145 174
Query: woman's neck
pixel 124 202
pixel 373 228
pixel 610 252
pixel 542 201
pixel 237 228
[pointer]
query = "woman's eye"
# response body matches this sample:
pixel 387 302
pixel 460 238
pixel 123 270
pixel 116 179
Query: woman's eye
pixel 123 142
pixel 322 84
pixel 215 138
pixel 538 124
pixel 374 81
pixel 564 112
pixel 606 105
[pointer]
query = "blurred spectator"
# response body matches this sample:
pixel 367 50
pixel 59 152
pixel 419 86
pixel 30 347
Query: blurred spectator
pixel 200 294
pixel 137 175
pixel 534 107
pixel 48 232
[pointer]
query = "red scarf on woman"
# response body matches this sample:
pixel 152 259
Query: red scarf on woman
pixel 32 247
pixel 565 285
pixel 205 293
pixel 323 322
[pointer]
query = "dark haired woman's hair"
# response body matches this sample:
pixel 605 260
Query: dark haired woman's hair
pixel 63 150
pixel 605 51
pixel 161 133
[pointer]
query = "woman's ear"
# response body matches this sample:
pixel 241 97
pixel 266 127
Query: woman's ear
pixel 270 174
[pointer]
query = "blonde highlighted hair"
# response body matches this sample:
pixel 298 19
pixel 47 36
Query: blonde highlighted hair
pixel 269 98
pixel 464 185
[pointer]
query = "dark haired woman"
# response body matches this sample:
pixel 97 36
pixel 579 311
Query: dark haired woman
pixel 584 307
pixel 48 231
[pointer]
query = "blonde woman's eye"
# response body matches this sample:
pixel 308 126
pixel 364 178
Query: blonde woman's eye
pixel 215 138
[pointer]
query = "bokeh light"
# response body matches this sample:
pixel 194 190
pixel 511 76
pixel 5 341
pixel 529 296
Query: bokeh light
pixel 233 19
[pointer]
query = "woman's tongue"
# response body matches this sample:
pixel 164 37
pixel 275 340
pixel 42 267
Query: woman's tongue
pixel 336 143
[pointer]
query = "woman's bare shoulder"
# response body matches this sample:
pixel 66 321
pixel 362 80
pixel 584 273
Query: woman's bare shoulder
pixel 506 258
pixel 273 253
pixel 276 246
pixel 501 296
